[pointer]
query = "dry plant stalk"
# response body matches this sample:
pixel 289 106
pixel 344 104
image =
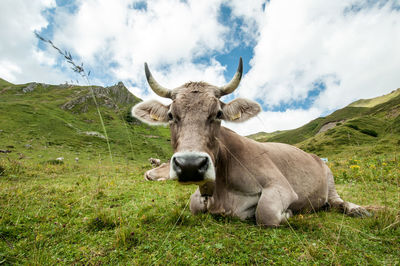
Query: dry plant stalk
pixel 85 75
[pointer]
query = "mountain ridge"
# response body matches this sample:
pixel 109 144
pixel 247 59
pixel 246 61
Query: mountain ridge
pixel 63 121
pixel 364 123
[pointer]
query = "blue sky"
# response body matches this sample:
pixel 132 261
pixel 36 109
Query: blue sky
pixel 302 59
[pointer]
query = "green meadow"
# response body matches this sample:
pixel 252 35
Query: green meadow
pixel 94 207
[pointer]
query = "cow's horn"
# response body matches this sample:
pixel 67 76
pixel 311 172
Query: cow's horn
pixel 157 88
pixel 234 83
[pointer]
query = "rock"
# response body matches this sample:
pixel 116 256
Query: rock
pixel 28 146
pixel 60 159
pixel 76 159
pixel 31 87
pixel 65 86
pixel 112 97
pixel 95 134
pixel 44 85
pixel 328 126
pixel 152 136
pixel 5 151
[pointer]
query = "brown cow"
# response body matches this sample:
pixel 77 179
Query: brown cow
pixel 236 175
pixel 159 173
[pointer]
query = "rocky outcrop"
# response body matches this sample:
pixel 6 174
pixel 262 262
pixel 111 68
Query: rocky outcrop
pixel 31 87
pixel 112 97
pixel 328 126
pixel 94 134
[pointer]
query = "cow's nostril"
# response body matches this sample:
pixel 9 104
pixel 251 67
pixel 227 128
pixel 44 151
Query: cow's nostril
pixel 203 165
pixel 178 164
pixel 190 168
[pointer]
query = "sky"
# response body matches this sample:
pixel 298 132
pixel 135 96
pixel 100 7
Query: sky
pixel 302 59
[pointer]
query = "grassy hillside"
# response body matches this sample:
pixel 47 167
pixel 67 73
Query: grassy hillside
pixel 4 83
pixel 375 101
pixel 96 211
pixel 369 127
pixel 62 121
pixel 263 136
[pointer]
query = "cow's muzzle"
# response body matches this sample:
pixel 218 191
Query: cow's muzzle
pixel 192 167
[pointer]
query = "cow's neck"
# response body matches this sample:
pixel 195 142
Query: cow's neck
pixel 229 146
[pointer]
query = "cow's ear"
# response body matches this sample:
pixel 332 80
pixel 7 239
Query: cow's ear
pixel 240 110
pixel 151 112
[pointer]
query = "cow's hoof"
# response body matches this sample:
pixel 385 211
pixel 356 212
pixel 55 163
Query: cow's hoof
pixel 287 214
pixel 359 212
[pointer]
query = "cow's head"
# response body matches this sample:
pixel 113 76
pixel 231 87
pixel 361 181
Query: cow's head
pixel 194 117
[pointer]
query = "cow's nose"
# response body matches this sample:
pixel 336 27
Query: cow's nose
pixel 190 168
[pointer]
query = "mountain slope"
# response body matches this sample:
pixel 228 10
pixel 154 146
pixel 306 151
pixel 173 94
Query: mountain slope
pixel 371 125
pixel 375 101
pixel 46 121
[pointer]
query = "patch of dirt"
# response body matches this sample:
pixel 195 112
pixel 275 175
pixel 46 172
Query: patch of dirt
pixel 395 112
pixel 4 90
pixel 328 126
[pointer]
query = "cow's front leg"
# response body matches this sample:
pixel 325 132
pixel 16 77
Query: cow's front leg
pixel 198 203
pixel 273 205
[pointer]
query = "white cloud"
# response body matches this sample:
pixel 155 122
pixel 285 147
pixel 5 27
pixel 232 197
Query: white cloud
pixel 271 121
pixel 179 74
pixel 168 33
pixel 8 70
pixel 251 13
pixel 355 53
pixel 20 59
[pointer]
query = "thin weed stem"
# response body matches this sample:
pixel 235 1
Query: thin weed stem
pixel 337 240
pixel 81 71
pixel 172 229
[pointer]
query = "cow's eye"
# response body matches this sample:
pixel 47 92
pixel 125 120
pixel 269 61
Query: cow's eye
pixel 170 117
pixel 219 114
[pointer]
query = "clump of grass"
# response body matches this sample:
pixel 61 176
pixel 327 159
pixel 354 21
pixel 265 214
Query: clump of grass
pixel 101 222
pixel 353 126
pixel 369 132
pixel 126 237
pixel 2 170
pixel 11 167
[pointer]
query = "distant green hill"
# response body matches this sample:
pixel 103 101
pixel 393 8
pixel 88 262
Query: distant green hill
pixel 375 101
pixel 44 122
pixel 371 125
pixel 4 83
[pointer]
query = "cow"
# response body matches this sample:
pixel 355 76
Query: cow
pixel 237 176
pixel 160 173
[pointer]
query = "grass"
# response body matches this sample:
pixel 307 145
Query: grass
pixel 98 213
pixel 48 131
pixel 94 211
pixel 376 101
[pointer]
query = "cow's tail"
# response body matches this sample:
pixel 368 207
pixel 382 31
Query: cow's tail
pixel 336 202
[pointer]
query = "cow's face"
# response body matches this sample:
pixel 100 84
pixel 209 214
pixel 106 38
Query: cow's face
pixel 194 117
